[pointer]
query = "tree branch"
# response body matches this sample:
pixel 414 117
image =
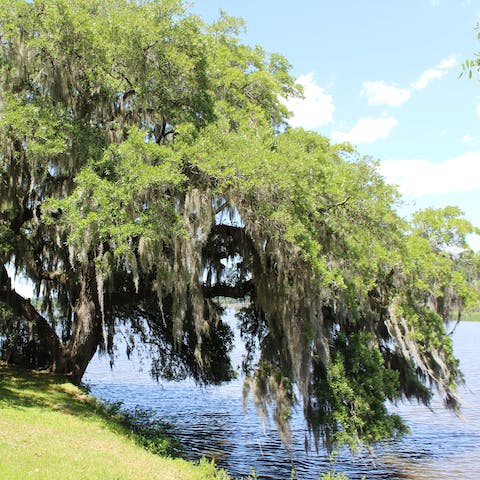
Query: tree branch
pixel 239 290
pixel 334 205
pixel 23 308
pixel 58 276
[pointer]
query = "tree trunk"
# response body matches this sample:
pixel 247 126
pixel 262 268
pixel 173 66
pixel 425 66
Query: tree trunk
pixel 71 359
pixel 87 331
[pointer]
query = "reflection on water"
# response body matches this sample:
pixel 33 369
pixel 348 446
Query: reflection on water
pixel 211 422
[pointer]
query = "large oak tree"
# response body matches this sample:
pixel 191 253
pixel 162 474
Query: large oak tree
pixel 147 173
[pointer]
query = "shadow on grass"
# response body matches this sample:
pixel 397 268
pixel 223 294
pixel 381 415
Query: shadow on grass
pixel 26 389
pixel 22 388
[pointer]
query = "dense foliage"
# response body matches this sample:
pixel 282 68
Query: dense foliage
pixel 147 172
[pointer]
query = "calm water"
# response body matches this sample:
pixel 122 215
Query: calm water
pixel 211 422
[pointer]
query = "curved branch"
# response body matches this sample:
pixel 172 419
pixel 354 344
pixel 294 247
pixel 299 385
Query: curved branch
pixel 23 308
pixel 326 208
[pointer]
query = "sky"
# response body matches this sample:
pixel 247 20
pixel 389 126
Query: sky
pixel 383 75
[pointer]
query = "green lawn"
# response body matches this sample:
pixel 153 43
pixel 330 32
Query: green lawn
pixel 49 429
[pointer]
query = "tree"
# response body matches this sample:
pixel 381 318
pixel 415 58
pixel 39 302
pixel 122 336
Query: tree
pixel 146 172
pixel 77 76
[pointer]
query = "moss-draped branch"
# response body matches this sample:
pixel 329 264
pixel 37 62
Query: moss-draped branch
pixel 147 170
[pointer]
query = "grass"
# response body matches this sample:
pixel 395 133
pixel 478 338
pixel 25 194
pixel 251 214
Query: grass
pixel 50 429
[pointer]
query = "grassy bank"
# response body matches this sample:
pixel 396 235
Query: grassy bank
pixel 50 429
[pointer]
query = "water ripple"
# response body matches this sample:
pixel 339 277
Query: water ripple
pixel 210 422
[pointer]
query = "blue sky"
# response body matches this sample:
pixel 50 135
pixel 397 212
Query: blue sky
pixel 383 74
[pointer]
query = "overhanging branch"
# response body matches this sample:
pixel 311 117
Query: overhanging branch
pixel 22 307
pixel 239 290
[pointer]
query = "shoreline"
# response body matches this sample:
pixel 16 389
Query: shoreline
pixel 50 429
pixel 53 430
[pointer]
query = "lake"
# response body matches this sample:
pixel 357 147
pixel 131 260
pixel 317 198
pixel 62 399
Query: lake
pixel 210 422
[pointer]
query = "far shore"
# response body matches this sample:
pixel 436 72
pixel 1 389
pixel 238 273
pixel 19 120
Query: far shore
pixel 471 317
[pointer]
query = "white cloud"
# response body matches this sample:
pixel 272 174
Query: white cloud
pixel 313 111
pixel 435 73
pixel 421 177
pixel 427 76
pixel 380 93
pixel 467 138
pixel 447 63
pixel 366 130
